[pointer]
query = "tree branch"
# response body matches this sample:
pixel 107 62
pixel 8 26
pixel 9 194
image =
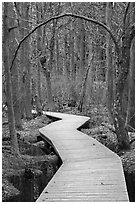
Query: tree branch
pixel 12 28
pixel 61 16
pixel 125 15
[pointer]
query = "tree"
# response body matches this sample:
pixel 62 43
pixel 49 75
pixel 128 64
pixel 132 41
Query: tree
pixel 15 73
pixel 83 89
pixel 58 68
pixel 22 16
pixel 82 47
pixel 26 62
pixel 38 96
pixel 109 63
pixel 129 89
pixel 47 75
pixel 71 52
pixel 11 118
pixel 123 67
pixel 66 53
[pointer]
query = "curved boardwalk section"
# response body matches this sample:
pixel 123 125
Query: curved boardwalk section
pixel 90 171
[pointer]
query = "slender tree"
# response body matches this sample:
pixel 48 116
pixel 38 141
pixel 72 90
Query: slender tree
pixel 109 63
pixel 15 73
pixel 26 63
pixel 66 55
pixel 39 17
pixel 11 118
pixel 72 51
pixel 82 47
pixel 84 84
pixel 58 64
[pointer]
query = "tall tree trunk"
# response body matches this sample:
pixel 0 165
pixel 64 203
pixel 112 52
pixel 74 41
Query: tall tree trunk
pixel 72 60
pixel 48 71
pixel 16 97
pixel 11 119
pixel 58 68
pixel 83 89
pixel 28 97
pixel 48 80
pixel 130 119
pixel 51 47
pixel 82 48
pixel 91 75
pixel 49 89
pixel 26 105
pixel 123 67
pixel 130 116
pixel 39 86
pixel 15 78
pixel 67 57
pixel 39 49
pixel 109 71
pixel 77 38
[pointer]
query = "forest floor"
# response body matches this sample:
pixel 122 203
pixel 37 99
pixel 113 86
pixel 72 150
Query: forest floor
pixel 38 163
pixel 33 170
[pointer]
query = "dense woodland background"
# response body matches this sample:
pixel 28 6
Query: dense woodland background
pixel 72 57
pixel 79 55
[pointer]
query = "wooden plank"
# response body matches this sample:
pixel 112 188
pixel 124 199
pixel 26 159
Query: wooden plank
pixel 90 171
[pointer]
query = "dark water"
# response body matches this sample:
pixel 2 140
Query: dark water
pixel 130 182
pixel 30 188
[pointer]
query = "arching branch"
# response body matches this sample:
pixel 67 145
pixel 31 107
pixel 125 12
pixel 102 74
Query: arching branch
pixel 61 16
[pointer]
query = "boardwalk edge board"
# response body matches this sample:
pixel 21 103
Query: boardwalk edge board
pixel 89 172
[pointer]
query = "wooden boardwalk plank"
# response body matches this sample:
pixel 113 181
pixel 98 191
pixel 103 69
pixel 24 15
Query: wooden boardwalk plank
pixel 90 171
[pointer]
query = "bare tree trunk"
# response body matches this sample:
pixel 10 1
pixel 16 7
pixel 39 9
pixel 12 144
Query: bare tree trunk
pixel 82 48
pixel 83 89
pixel 39 84
pixel 123 67
pixel 16 99
pixel 49 89
pixel 15 74
pixel 58 68
pixel 48 80
pixel 91 75
pixel 72 53
pixel 47 71
pixel 11 119
pixel 66 49
pixel 39 49
pixel 110 71
pixel 77 56
pixel 28 97
pixel 52 44
pixel 130 117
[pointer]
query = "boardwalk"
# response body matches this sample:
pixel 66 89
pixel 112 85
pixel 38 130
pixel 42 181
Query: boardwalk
pixel 90 171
